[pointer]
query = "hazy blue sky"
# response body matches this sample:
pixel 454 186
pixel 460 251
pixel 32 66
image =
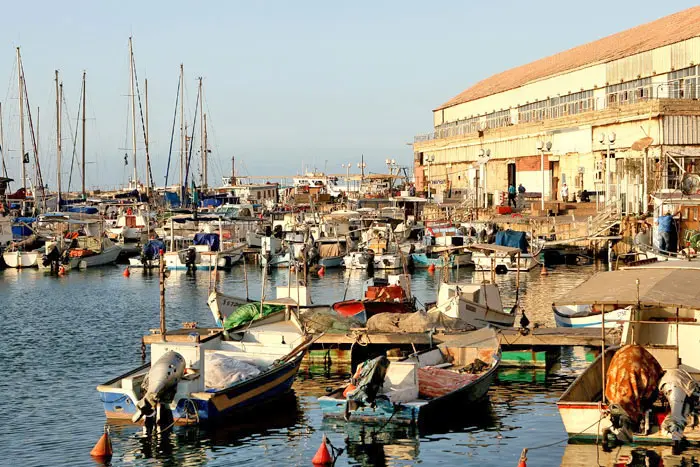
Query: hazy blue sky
pixel 285 82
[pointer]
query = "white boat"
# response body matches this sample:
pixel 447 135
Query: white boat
pixel 21 259
pixel 201 257
pixel 359 260
pixel 477 304
pixel 586 316
pixel 665 307
pixel 524 263
pixel 331 251
pixel 387 261
pixel 131 225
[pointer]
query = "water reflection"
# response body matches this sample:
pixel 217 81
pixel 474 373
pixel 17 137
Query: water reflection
pixel 580 455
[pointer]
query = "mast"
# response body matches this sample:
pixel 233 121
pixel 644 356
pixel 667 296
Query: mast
pixel 83 140
pixel 133 113
pixel 206 152
pixel 2 145
pixel 20 79
pixel 183 134
pixel 59 92
pixel 233 170
pixel 202 147
pixel 148 156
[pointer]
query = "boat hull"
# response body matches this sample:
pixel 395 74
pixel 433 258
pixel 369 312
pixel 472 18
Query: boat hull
pixel 525 263
pixel 211 407
pixel 107 256
pixel 387 262
pixel 612 319
pixel 21 259
pixel 331 262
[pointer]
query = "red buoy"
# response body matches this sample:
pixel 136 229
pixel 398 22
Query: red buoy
pixel 126 273
pixel 523 459
pixel 103 448
pixel 322 271
pixel 322 456
pixel 431 268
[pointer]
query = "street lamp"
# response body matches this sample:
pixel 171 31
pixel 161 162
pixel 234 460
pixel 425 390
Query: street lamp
pixel 542 147
pixel 347 176
pixel 430 158
pixel 608 142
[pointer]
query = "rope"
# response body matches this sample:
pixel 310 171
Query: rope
pixel 564 439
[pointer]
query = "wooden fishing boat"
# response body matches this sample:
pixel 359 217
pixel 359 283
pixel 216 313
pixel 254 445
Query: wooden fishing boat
pixel 664 308
pixel 587 316
pixel 424 386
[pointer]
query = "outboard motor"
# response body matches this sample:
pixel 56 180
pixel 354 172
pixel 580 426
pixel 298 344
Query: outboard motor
pixel 681 391
pixel 191 258
pixel 160 386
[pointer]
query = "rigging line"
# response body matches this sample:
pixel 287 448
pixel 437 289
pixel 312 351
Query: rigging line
pixel 189 156
pixel 74 138
pixel 40 179
pixel 172 133
pixel 143 123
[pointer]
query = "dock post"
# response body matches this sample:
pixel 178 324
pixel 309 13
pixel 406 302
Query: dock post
pixel 161 275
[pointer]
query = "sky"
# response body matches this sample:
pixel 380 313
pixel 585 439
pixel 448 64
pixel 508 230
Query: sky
pixel 288 85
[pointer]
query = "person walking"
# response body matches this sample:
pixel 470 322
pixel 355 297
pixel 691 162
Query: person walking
pixel 565 193
pixel 511 195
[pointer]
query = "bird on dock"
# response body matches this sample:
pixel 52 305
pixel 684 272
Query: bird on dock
pixel 524 323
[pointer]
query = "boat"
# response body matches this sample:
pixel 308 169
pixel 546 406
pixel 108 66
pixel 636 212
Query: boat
pixel 88 251
pixel 477 304
pixel 15 258
pixel 440 257
pixel 132 224
pixel 201 376
pixel 454 376
pixel 150 255
pixel 388 260
pixel 663 321
pixel 524 261
pixel 588 316
pixel 390 295
pixel 204 254
pixel 331 251
pixel 362 259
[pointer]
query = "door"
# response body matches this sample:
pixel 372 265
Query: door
pixel 511 174
pixel 554 169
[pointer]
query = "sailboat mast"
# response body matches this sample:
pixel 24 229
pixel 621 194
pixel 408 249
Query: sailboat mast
pixel 58 141
pixel 202 148
pixel 20 79
pixel 206 151
pixel 83 141
pixel 133 113
pixel 183 134
pixel 2 145
pixel 149 176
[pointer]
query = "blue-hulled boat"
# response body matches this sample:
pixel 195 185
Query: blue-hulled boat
pixel 441 257
pixel 201 375
pixel 331 251
pixel 455 375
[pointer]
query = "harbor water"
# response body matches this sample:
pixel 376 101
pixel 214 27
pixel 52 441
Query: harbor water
pixel 65 335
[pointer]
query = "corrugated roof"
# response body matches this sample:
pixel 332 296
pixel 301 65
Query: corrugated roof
pixel 664 31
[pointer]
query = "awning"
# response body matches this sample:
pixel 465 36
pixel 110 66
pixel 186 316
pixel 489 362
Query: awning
pixel 657 287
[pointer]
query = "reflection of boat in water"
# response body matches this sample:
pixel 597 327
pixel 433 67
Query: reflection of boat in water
pixel 585 455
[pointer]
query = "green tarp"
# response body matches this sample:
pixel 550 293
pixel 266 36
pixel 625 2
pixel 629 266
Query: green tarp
pixel 249 312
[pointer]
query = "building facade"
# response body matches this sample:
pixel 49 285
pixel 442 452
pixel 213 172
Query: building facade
pixel 618 117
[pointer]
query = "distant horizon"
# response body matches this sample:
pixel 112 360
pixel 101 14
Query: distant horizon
pixel 284 85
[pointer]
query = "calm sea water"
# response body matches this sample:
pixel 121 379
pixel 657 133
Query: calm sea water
pixel 62 336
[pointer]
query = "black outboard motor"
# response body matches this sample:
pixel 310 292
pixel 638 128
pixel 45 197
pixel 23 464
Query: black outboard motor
pixel 191 259
pixel 52 257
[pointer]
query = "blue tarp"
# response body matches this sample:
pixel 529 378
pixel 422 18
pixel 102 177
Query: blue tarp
pixel 512 239
pixel 172 199
pixel 152 248
pixel 210 239
pixel 211 202
pixel 84 209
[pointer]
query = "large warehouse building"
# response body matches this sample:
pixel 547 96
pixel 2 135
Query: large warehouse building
pixel 555 120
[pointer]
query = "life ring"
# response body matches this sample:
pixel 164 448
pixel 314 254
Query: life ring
pixel 129 212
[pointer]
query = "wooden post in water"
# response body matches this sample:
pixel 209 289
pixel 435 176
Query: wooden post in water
pixel 602 346
pixel 517 273
pixel 162 295
pixel 245 276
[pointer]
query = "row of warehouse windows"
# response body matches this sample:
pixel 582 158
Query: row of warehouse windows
pixel 682 84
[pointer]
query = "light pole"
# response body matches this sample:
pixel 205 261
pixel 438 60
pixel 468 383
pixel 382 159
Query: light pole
pixel 347 176
pixel 608 143
pixel 361 166
pixel 542 147
pixel 430 158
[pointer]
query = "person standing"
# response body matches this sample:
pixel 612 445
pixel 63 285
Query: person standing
pixel 565 193
pixel 666 226
pixel 511 195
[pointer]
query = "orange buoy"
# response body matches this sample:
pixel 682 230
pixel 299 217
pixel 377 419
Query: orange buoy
pixel 431 268
pixel 543 272
pixel 61 270
pixel 103 448
pixel 322 271
pixel 127 273
pixel 523 458
pixel 322 456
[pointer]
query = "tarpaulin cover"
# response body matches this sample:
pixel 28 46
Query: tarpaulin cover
pixel 371 380
pixel 84 209
pixel 172 199
pixel 224 371
pixel 327 250
pixel 210 239
pixel 249 312
pixel 512 239
pixel 152 248
pixel 211 202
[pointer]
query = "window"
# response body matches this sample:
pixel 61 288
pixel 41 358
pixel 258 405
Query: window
pixel 629 92
pixel 683 84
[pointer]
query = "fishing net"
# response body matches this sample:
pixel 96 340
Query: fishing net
pixel 317 320
pixel 249 312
